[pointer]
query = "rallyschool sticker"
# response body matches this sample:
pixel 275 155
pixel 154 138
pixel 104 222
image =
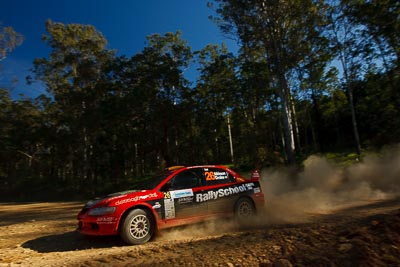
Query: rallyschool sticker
pixel 224 192
pixel 182 193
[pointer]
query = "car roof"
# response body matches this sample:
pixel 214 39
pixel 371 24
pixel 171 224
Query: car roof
pixel 176 168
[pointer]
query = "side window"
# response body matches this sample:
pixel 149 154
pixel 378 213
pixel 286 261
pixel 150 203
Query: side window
pixel 216 176
pixel 186 179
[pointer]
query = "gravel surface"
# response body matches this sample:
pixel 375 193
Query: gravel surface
pixel 43 234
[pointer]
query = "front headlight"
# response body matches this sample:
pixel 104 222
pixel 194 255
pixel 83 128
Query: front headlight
pixel 91 203
pixel 101 211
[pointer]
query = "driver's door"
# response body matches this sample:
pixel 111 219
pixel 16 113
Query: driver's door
pixel 179 195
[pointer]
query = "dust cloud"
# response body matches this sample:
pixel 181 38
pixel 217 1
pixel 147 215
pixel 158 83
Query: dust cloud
pixel 323 187
pixel 206 229
pixel 320 188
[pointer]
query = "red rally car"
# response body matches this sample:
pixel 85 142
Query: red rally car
pixel 180 196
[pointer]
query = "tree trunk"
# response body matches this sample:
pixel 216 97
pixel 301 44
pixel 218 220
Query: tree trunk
pixel 351 104
pixel 295 124
pixel 319 144
pixel 354 121
pixel 287 121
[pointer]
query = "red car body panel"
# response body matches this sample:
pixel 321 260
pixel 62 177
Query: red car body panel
pixel 171 203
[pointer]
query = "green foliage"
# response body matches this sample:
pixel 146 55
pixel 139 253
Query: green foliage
pixel 343 159
pixel 107 120
pixel 9 40
pixel 382 22
pixel 213 101
pixel 286 38
pixel 379 93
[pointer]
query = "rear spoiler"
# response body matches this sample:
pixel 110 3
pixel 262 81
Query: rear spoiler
pixel 173 168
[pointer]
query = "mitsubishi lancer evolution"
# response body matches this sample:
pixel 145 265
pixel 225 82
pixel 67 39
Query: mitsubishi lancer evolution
pixel 181 195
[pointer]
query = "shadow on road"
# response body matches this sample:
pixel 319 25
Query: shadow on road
pixel 13 213
pixel 74 241
pixel 71 241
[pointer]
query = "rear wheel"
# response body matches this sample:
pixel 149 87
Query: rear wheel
pixel 244 210
pixel 138 227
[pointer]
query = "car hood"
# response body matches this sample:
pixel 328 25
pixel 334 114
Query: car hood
pixel 110 197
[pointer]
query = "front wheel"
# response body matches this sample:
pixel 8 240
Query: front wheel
pixel 244 210
pixel 138 227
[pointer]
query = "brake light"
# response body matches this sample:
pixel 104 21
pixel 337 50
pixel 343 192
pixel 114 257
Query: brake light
pixel 255 175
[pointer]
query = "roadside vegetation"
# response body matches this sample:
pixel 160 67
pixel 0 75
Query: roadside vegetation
pixel 310 77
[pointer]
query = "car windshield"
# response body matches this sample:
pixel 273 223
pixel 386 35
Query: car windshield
pixel 150 182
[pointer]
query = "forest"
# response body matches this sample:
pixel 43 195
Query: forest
pixel 310 77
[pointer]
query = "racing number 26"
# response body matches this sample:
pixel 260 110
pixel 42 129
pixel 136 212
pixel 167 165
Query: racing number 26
pixel 210 176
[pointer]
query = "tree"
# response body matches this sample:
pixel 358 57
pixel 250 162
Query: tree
pixel 347 43
pixel 286 31
pixel 379 23
pixel 255 108
pixel 159 69
pixel 9 40
pixel 215 94
pixel 382 21
pixel 21 142
pixel 73 74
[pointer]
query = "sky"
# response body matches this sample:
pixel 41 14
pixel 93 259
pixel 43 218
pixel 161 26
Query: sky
pixel 124 23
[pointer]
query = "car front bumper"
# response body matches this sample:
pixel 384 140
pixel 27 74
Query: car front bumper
pixel 97 225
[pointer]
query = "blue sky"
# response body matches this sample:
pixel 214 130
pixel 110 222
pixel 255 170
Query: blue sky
pixel 124 23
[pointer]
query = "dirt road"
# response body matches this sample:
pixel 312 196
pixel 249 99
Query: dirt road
pixel 42 234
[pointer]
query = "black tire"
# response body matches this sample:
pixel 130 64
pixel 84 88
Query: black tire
pixel 244 210
pixel 137 227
